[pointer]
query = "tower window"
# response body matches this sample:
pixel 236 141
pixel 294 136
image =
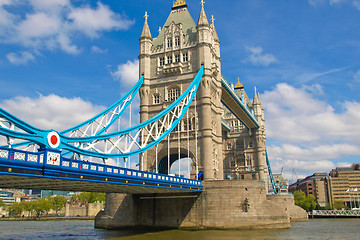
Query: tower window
pixel 162 61
pixel 177 58
pixel 177 41
pixel 169 42
pixel 186 126
pixel 185 57
pixel 156 99
pixel 173 94
pixel 169 59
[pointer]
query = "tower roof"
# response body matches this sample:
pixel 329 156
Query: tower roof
pixel 146 30
pixel 202 18
pixel 179 14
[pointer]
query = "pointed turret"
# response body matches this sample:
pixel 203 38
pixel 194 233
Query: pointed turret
pixel 146 30
pixel 216 37
pixel 202 18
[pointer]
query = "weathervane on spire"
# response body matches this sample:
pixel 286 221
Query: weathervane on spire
pixel 202 3
pixel 146 16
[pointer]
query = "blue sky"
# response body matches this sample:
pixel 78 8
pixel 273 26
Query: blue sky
pixel 61 61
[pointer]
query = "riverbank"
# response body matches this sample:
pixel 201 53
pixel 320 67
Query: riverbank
pixel 45 218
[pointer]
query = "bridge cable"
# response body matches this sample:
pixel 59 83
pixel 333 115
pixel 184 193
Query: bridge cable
pixel 196 139
pixel 188 143
pixel 179 136
pixel 168 143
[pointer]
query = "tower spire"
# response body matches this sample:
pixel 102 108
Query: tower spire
pixel 146 30
pixel 202 19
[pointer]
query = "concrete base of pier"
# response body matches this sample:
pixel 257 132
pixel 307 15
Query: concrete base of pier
pixel 222 205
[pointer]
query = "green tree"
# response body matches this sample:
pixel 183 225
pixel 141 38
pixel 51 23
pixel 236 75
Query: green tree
pixel 41 206
pixel 57 203
pixel 338 205
pixel 15 209
pixel 88 197
pixel 306 202
pixel 2 204
pixel 29 207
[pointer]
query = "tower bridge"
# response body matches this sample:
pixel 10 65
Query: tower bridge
pixel 188 110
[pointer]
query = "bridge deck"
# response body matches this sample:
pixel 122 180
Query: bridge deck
pixel 43 170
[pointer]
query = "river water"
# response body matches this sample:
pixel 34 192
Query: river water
pixel 84 230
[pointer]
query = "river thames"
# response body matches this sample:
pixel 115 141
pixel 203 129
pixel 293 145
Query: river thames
pixel 81 230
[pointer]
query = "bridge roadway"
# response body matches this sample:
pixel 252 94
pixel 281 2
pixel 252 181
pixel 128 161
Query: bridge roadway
pixel 46 170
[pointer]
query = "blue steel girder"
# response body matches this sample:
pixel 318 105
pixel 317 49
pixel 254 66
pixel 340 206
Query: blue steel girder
pixel 234 103
pixel 49 171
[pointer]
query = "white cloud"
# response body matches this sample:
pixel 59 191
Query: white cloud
pixel 127 73
pixel 51 25
pixel 354 3
pixel 310 135
pixel 20 58
pixel 96 49
pixel 38 25
pixel 52 111
pixel 91 21
pixel 296 116
pixel 257 57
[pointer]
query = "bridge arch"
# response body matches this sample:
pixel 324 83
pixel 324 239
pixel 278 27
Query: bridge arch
pixel 174 157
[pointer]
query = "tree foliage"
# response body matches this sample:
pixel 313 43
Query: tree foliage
pixel 88 197
pixel 57 203
pixel 306 202
pixel 39 207
pixel 2 204
pixel 15 209
pixel 338 205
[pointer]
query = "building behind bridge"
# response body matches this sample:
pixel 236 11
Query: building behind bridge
pixel 340 185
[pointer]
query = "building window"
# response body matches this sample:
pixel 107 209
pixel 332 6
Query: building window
pixel 186 121
pixel 169 59
pixel 177 58
pixel 169 42
pixel 185 57
pixel 162 61
pixel 156 99
pixel 173 94
pixel 228 146
pixel 177 41
pixel 232 164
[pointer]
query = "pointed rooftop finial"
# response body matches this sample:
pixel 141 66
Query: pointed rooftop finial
pixel 202 19
pixel 255 90
pixel 212 19
pixel 239 85
pixel 146 31
pixel 159 30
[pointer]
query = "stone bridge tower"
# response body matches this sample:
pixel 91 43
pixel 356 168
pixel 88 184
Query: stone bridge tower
pixel 169 63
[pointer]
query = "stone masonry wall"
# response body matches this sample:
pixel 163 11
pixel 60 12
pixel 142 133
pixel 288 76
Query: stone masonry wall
pixel 222 205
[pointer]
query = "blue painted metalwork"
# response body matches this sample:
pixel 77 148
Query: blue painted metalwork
pixel 271 174
pixel 240 101
pixel 40 137
pixel 49 164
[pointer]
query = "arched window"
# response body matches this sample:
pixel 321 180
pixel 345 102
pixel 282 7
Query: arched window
pixel 173 94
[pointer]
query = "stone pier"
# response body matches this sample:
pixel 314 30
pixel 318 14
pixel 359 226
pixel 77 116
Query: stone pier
pixel 222 205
